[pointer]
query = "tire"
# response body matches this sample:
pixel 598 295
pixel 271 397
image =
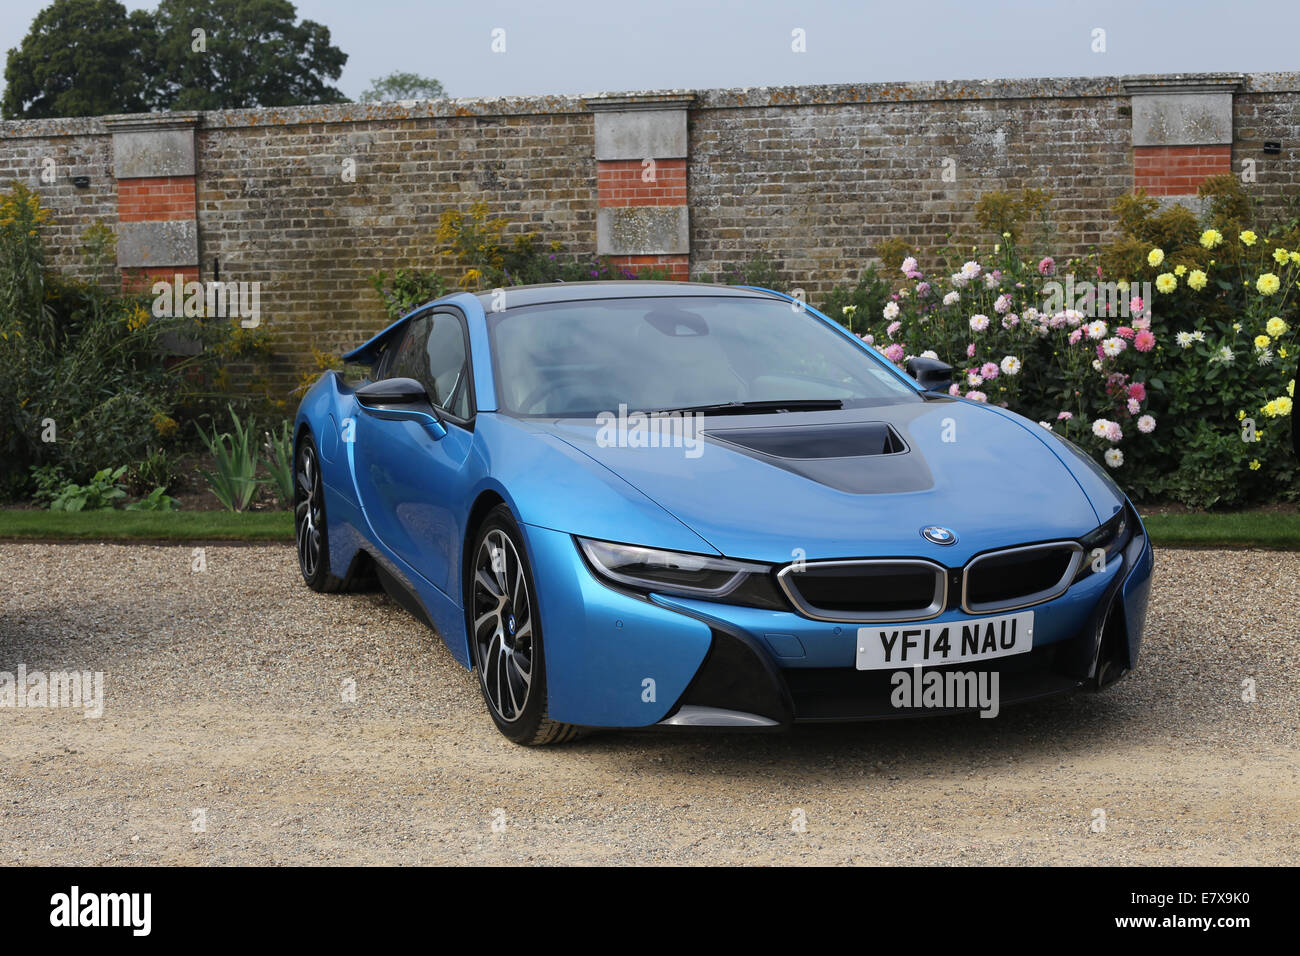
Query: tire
pixel 311 531
pixel 505 634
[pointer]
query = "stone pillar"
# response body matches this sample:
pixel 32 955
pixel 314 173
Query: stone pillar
pixel 1182 132
pixel 642 217
pixel 157 205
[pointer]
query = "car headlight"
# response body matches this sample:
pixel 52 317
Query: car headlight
pixel 1111 537
pixel 700 576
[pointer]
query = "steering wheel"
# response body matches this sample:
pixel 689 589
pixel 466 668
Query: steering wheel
pixel 562 380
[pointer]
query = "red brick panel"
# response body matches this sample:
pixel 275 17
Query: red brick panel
pixel 155 199
pixel 1178 170
pixel 142 280
pixel 621 183
pixel 677 266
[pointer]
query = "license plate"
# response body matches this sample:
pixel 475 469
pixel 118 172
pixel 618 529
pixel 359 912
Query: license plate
pixel 929 644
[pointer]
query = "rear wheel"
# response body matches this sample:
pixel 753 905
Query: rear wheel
pixel 310 528
pixel 506 635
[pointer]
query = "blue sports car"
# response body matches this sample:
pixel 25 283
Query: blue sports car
pixel 637 503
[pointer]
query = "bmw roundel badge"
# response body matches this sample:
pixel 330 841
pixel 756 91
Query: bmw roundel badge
pixel 937 535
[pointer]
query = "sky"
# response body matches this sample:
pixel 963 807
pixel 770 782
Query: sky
pixel 584 46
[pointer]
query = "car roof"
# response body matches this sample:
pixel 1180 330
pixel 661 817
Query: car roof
pixel 544 294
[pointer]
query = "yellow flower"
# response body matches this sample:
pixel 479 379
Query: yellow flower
pixel 1283 405
pixel 1262 342
pixel 1236 326
pixel 1248 238
pixel 1295 257
pixel 1196 280
pixel 1290 388
pixel 1281 353
pixel 1165 282
pixel 1180 270
pixel 1280 256
pixel 1275 327
pixel 1268 283
pixel 1122 285
pixel 1241 413
pixel 1254 464
pixel 1155 257
pixel 1211 238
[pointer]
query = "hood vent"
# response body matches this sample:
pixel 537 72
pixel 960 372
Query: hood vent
pixel 816 442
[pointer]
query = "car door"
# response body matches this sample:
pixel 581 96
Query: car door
pixel 412 485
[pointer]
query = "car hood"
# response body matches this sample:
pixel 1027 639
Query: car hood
pixel 769 488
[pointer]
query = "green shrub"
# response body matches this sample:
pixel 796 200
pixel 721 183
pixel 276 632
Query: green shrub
pixel 97 495
pixel 235 480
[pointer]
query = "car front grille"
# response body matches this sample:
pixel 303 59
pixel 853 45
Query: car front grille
pixel 1018 577
pixel 891 589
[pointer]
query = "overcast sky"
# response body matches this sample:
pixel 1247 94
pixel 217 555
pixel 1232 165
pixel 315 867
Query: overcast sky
pixel 581 46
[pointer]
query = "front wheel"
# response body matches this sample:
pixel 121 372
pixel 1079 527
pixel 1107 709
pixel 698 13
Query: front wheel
pixel 310 530
pixel 506 635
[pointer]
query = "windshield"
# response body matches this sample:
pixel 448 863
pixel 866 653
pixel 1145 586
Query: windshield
pixel 577 359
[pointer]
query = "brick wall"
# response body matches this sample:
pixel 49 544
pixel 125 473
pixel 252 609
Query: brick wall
pixel 310 201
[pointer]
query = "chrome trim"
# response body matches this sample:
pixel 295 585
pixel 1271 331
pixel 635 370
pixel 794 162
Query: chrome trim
pixel 1027 600
pixel 934 609
pixel 691 715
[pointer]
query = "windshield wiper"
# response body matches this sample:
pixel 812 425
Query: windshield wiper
pixel 757 408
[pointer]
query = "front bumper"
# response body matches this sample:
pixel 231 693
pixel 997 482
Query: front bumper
pixel 618 660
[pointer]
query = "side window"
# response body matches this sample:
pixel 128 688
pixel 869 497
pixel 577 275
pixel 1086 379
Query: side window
pixel 446 365
pixel 407 356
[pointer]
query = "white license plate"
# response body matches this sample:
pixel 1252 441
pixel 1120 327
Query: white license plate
pixel 931 643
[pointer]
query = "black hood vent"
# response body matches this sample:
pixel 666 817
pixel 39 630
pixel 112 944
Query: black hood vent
pixel 816 442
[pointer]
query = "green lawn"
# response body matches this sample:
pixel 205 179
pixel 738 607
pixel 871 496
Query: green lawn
pixel 1261 529
pixel 147 525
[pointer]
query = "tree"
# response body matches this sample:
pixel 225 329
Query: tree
pixel 234 54
pixel 403 86
pixel 81 58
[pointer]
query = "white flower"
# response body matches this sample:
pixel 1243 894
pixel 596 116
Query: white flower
pixel 1225 355
pixel 1114 457
pixel 1184 339
pixel 909 265
pixel 989 281
pixel 1073 317
pixel 1030 314
pixel 848 310
pixel 1096 330
pixel 974 379
pixel 970 270
pixel 958 280
pixel 1146 424
pixel 952 298
pixel 891 310
pixel 1010 365
pixel 1264 357
pixel 1099 427
pixel 1002 304
pixel 979 322
pixel 1112 346
pixel 1096 365
pixel 1198 336
pixel 930 354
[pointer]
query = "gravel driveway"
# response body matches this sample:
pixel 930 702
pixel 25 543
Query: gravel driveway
pixel 223 692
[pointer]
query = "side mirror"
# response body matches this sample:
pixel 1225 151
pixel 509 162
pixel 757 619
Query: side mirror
pixel 401 400
pixel 931 374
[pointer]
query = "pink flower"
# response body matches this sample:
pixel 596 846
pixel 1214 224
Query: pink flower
pixel 1113 431
pixel 1135 305
pixel 893 327
pixel 1146 424
pixel 1142 323
pixel 1047 266
pixel 1138 390
pixel 1064 416
pixel 954 389
pixel 1075 336
pixel 1144 341
pixel 869 339
pixel 922 289
pixel 989 370
pixel 975 396
pixel 1124 332
pixel 1010 321
pixel 895 352
pixel 970 350
pixel 1134 406
pixel 909 264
